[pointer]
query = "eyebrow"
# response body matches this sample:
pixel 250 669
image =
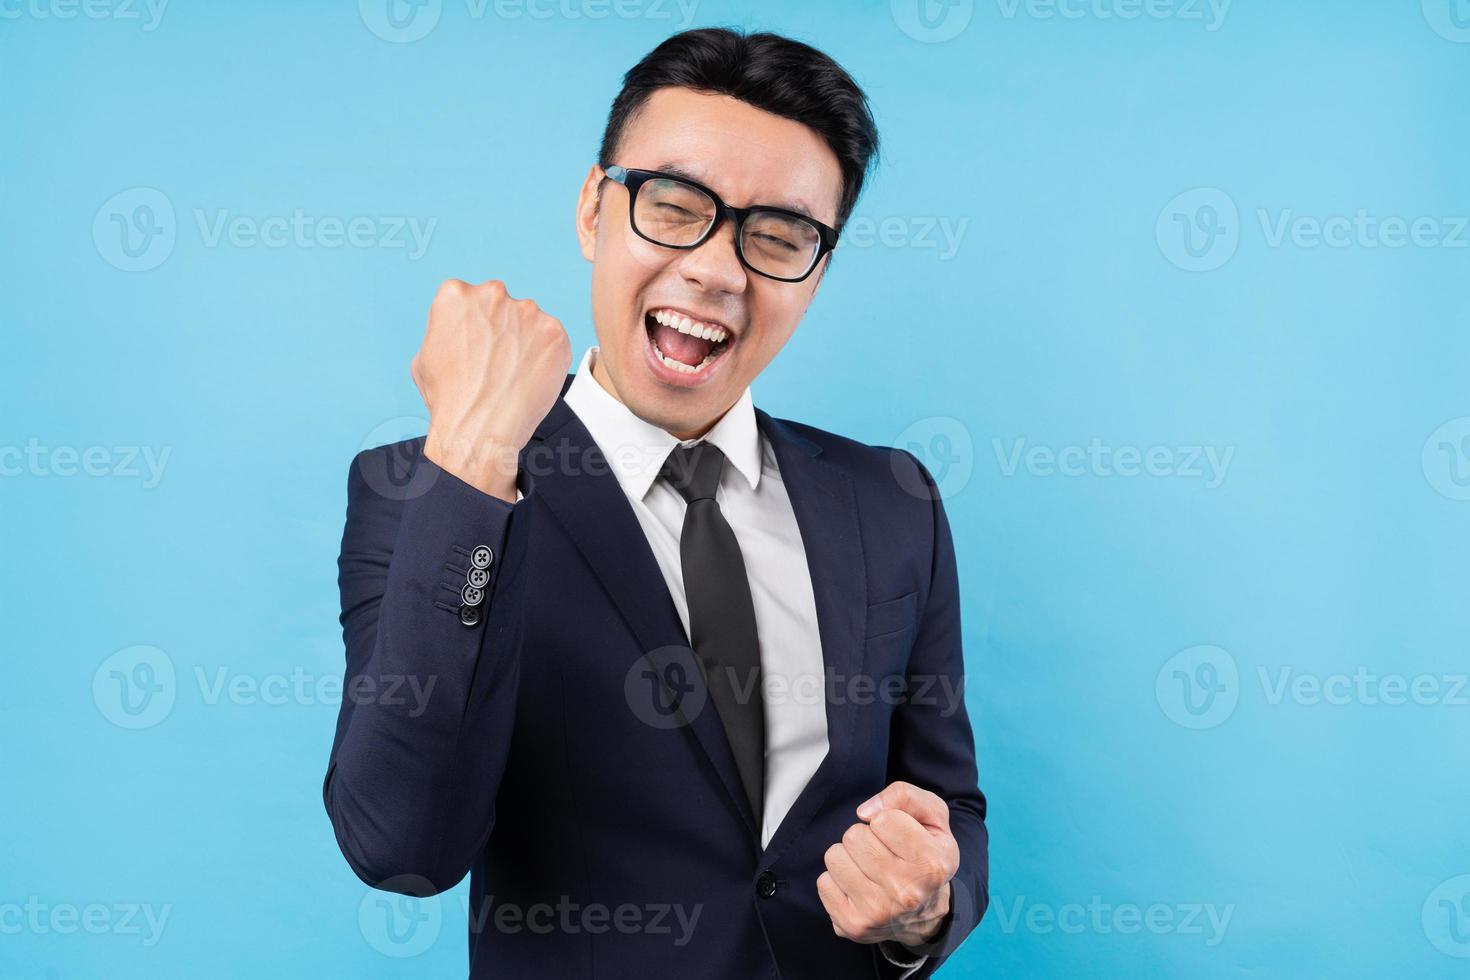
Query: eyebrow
pixel 677 170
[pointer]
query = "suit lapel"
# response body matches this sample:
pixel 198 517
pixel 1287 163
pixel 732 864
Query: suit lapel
pixel 575 482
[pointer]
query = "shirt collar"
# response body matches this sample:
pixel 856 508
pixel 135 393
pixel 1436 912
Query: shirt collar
pixel 636 449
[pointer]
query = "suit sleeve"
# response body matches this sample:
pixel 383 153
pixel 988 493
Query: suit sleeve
pixel 932 746
pixel 429 689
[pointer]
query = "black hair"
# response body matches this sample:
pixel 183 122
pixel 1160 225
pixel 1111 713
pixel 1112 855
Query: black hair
pixel 777 74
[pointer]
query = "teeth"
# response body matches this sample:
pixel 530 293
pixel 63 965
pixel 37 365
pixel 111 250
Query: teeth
pixel 683 324
pixel 680 365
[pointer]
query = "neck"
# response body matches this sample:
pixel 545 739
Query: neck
pixel 600 375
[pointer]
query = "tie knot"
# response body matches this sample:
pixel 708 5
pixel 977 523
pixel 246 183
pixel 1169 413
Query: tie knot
pixel 694 470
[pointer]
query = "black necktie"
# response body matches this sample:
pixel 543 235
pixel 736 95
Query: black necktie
pixel 721 614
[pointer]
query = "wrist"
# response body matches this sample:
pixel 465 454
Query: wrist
pixel 489 465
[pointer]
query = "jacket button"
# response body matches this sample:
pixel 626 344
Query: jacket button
pixel 469 615
pixel 482 556
pixel 765 885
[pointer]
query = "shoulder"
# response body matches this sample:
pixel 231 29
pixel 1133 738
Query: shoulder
pixel 889 474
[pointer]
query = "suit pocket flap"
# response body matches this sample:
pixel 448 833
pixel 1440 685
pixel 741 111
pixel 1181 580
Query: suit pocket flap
pixel 891 615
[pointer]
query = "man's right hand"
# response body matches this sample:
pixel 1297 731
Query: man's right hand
pixel 489 370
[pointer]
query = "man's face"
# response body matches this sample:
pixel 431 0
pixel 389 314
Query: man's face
pixel 748 157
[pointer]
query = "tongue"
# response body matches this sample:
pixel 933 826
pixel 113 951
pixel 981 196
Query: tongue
pixel 680 346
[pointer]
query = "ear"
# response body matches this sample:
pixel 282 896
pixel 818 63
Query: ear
pixel 589 203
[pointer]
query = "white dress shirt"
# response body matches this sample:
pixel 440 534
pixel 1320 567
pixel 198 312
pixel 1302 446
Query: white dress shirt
pixel 752 497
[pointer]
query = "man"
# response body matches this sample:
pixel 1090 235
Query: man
pixel 696 671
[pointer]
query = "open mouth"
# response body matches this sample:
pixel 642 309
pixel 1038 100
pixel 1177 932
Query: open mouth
pixel 683 344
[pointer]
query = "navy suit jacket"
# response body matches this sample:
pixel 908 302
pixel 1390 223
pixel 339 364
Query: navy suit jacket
pixel 566 757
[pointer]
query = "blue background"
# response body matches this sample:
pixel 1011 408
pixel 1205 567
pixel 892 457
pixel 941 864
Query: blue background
pixel 1126 633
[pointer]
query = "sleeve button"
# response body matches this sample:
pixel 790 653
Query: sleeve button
pixel 478 577
pixel 469 615
pixel 482 556
pixel 471 595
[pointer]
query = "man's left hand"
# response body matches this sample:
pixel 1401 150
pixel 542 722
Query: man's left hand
pixel 888 878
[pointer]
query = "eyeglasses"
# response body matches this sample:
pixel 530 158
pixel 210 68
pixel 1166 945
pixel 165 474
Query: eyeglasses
pixel 678 213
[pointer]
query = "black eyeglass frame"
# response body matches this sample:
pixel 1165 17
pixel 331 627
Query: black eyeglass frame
pixel 634 179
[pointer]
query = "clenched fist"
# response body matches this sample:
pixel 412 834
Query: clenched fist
pixel 489 370
pixel 888 879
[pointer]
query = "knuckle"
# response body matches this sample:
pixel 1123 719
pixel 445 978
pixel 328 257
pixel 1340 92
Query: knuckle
pixel 832 854
pixel 852 836
pixel 911 898
pixel 450 290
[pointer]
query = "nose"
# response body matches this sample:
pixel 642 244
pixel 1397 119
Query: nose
pixel 714 266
